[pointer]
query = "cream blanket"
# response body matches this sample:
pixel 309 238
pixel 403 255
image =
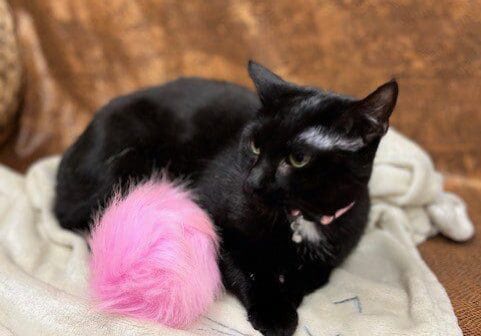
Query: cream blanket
pixel 384 288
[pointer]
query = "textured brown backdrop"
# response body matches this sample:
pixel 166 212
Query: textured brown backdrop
pixel 80 53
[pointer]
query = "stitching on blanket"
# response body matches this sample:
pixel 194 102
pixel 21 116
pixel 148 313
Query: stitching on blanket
pixel 226 326
pixel 354 299
pixel 216 330
pixel 308 332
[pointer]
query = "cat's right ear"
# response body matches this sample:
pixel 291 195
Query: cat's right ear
pixel 270 87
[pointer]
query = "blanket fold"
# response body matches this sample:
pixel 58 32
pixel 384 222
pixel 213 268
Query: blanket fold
pixel 384 287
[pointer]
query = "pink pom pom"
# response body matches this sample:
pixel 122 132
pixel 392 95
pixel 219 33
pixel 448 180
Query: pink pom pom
pixel 154 256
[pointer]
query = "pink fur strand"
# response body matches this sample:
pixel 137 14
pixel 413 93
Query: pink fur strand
pixel 154 256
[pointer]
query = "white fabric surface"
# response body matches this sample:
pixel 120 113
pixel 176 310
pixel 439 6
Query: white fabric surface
pixel 384 288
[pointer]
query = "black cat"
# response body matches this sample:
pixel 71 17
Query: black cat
pixel 283 174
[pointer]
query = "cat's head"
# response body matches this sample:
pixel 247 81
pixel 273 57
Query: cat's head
pixel 309 149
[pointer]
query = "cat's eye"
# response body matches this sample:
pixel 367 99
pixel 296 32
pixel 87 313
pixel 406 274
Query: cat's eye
pixel 299 159
pixel 254 147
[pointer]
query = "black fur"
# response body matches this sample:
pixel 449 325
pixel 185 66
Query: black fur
pixel 207 131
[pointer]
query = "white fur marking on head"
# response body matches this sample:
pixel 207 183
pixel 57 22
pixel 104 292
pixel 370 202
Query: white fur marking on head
pixel 326 140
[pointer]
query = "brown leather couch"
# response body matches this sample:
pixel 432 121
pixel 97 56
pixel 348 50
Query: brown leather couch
pixel 77 54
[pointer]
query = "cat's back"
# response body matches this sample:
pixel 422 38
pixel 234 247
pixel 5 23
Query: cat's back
pixel 189 96
pixel 191 111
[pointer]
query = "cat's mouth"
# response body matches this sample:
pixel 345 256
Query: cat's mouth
pixel 322 219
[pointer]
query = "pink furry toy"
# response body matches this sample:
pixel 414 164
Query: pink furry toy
pixel 154 256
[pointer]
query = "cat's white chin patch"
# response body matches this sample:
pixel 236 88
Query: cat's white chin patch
pixel 304 229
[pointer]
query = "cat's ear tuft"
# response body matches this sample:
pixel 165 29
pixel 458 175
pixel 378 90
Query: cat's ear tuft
pixel 269 86
pixel 376 109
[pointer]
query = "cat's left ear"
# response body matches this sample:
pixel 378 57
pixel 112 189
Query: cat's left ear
pixel 374 110
pixel 270 87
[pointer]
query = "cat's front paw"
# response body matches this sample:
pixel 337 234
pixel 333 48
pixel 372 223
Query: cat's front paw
pixel 274 319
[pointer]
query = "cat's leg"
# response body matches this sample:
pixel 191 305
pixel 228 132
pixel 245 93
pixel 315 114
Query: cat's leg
pixel 305 280
pixel 269 308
